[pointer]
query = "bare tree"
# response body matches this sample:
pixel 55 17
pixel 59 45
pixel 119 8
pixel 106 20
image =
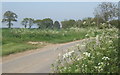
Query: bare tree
pixel 107 11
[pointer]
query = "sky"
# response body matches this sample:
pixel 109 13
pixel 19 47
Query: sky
pixel 55 10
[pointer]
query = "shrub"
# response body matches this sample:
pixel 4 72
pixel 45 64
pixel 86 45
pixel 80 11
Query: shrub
pixel 98 56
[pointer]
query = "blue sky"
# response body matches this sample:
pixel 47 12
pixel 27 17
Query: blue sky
pixel 54 10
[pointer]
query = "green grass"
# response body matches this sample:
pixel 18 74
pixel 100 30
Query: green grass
pixel 51 36
pixel 15 40
pixel 11 48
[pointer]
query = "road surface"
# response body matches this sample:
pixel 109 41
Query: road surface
pixel 38 61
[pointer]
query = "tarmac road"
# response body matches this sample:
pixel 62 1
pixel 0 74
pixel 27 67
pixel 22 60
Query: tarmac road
pixel 38 61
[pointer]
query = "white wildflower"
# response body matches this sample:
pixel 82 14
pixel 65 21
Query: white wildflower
pixel 103 48
pixel 77 66
pixel 83 45
pixel 86 35
pixel 101 63
pixel 65 68
pixel 110 41
pixel 69 67
pixel 78 59
pixel 84 22
pixel 68 54
pixel 106 58
pixel 77 70
pixel 86 54
pixel 93 22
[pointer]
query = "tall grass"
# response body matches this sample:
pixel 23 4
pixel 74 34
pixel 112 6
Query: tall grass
pixel 51 36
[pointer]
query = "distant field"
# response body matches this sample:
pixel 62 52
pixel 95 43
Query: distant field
pixel 16 40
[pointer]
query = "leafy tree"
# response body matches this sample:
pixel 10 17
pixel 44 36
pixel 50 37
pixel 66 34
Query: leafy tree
pixel 8 17
pixel 25 22
pixel 115 23
pixel 107 11
pixel 88 21
pixel 78 23
pixel 98 20
pixel 28 21
pixel 68 23
pixel 47 23
pixel 56 25
pixel 39 23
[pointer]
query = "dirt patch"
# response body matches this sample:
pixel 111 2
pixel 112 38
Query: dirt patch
pixel 35 43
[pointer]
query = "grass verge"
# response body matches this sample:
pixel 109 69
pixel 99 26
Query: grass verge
pixel 15 40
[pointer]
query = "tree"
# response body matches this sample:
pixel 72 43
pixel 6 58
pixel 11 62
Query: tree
pixel 48 23
pixel 115 23
pixel 56 25
pixel 25 22
pixel 9 16
pixel 28 21
pixel 39 23
pixel 106 10
pixel 78 23
pixel 98 20
pixel 68 23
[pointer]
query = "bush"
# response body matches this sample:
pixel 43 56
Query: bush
pixel 97 56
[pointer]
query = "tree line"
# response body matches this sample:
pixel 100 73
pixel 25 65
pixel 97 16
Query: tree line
pixel 105 12
pixel 10 16
pixel 46 23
